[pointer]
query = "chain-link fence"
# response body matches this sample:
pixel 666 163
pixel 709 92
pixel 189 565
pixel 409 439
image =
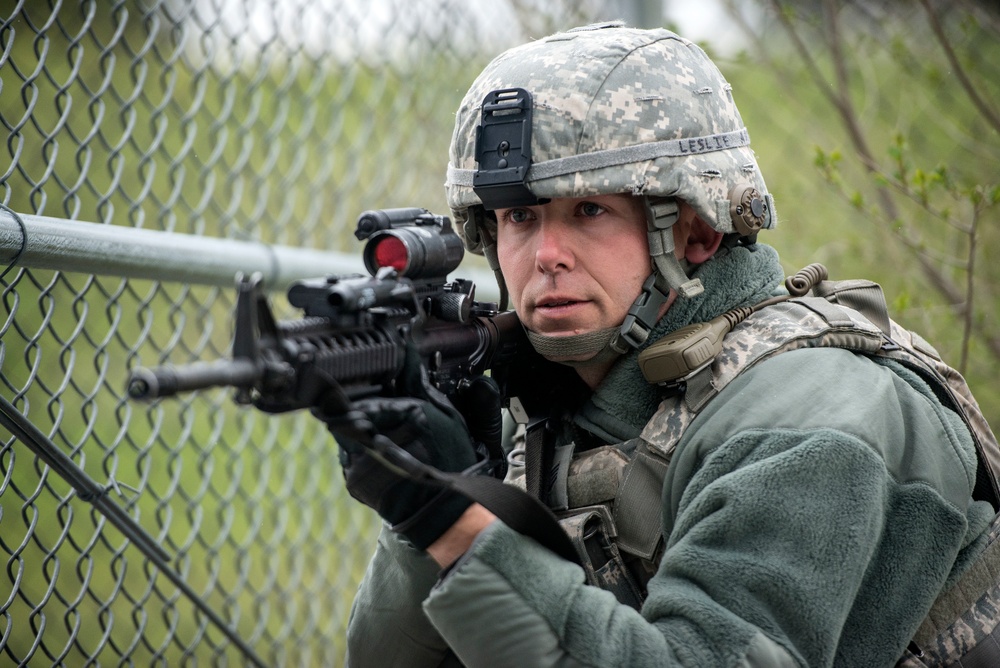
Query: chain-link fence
pixel 155 148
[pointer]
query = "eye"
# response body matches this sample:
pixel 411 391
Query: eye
pixel 514 215
pixel 591 209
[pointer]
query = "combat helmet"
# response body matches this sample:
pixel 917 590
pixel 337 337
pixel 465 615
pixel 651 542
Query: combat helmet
pixel 607 109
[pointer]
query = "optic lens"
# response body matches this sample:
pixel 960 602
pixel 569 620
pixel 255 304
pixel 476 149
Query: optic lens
pixel 390 252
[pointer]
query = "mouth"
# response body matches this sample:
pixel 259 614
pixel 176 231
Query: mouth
pixel 557 303
pixel 559 312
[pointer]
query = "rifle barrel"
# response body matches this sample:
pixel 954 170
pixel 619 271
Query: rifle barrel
pixel 167 381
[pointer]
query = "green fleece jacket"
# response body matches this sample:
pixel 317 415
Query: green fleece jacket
pixel 812 513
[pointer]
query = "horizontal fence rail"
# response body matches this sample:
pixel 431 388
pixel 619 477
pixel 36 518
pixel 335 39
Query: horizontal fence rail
pixel 41 242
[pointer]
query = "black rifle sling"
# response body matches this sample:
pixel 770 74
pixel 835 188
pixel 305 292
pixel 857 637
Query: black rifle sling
pixel 518 510
pixel 513 506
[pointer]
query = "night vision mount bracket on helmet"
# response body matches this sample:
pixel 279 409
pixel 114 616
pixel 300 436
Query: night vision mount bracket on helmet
pixel 503 150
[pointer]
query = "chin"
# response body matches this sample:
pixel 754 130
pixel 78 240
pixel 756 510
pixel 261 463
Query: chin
pixel 571 358
pixel 563 330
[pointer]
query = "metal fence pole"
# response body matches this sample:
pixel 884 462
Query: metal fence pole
pixel 43 242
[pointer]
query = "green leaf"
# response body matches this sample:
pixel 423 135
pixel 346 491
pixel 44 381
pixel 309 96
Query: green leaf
pixel 821 159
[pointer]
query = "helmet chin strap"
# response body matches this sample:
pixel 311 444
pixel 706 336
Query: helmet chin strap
pixel 662 214
pixel 489 246
pixel 668 273
pixel 593 346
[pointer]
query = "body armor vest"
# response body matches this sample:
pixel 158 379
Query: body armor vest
pixel 608 498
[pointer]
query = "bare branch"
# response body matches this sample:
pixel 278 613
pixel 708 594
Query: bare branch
pixel 807 58
pixel 969 289
pixel 957 68
pixel 841 101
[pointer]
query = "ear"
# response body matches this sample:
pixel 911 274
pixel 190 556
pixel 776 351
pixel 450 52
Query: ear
pixel 702 242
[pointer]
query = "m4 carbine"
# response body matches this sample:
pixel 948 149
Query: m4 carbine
pixel 356 328
pixel 355 337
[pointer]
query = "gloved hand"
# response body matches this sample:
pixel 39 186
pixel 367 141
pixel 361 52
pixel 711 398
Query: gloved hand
pixel 429 428
pixel 479 402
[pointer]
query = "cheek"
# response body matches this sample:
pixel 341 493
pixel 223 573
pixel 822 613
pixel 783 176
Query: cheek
pixel 510 265
pixel 628 271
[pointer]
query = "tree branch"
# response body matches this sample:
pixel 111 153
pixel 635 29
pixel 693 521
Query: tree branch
pixel 957 68
pixel 969 289
pixel 841 101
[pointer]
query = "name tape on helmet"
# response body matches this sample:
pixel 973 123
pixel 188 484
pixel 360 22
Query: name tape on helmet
pixel 613 157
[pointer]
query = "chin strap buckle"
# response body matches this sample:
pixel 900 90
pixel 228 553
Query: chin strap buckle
pixel 641 317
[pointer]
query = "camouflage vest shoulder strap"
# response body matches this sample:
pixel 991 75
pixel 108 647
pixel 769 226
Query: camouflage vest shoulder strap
pixel 840 314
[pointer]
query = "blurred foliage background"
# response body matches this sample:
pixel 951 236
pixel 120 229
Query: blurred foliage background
pixel 876 126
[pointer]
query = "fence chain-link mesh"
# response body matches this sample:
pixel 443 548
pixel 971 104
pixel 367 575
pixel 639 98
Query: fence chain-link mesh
pixel 152 148
pixel 267 122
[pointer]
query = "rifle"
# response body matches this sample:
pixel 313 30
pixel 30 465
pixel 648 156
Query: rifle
pixel 356 328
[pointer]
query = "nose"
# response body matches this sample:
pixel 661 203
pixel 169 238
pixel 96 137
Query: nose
pixel 553 250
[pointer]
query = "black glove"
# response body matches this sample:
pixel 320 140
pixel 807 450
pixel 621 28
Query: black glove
pixel 430 429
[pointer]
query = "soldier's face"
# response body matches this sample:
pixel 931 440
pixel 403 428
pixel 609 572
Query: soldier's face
pixel 574 265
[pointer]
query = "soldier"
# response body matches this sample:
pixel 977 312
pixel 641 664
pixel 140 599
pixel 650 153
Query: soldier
pixel 753 473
